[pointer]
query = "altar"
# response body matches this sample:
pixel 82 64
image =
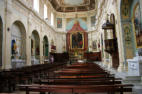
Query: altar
pixel 77 42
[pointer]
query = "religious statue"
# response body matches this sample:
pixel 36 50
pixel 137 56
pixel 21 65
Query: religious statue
pixel 14 47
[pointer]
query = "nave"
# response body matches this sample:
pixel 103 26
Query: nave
pixel 41 41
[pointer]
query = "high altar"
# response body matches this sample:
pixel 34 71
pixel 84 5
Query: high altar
pixel 77 42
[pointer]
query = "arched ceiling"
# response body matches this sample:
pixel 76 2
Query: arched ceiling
pixel 73 5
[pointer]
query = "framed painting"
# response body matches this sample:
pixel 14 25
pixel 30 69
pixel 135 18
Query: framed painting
pixel 77 40
pixel 127 34
pixel 125 9
pixel 59 22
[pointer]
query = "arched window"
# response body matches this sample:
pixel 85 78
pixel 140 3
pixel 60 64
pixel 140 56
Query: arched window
pixel 45 11
pixel 52 18
pixel 36 5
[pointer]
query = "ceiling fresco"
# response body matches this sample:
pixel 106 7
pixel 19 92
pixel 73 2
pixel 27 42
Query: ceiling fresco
pixel 73 5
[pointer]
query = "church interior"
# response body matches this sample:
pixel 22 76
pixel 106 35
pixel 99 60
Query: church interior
pixel 70 46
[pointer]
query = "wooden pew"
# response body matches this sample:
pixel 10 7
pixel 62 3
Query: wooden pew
pixel 77 88
pixel 79 78
pixel 82 70
pixel 9 78
pixel 80 81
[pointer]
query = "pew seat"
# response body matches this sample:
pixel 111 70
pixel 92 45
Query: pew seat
pixel 77 88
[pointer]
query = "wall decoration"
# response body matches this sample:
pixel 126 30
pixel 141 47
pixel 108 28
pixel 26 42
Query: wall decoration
pixel 16 42
pixel 93 20
pixel 94 45
pixel 59 22
pixel 128 41
pixel 137 26
pixel 77 40
pixel 14 47
pixel 71 21
pixel 125 9
pixel 127 33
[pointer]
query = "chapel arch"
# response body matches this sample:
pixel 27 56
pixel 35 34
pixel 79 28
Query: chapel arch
pixel 18 44
pixel 35 47
pixel 45 47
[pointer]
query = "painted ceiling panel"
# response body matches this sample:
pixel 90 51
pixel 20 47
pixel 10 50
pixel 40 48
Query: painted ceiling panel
pixel 73 2
pixel 73 5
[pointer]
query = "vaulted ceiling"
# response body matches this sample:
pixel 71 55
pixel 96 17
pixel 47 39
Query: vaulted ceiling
pixel 73 5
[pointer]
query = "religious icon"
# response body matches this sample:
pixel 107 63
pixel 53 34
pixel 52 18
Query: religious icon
pixel 59 22
pixel 77 40
pixel 125 9
pixel 127 32
pixel 14 47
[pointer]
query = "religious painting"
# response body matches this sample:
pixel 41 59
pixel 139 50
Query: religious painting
pixel 77 40
pixel 93 20
pixel 128 41
pixel 59 22
pixel 125 9
pixel 127 33
pixel 94 45
pixel 137 26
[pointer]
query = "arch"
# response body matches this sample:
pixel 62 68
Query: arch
pixel 137 28
pixel 45 47
pixel 35 47
pixel 18 44
pixel 1 40
pixel 127 28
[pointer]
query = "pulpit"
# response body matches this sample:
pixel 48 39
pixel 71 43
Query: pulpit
pixel 77 42
pixel 111 45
